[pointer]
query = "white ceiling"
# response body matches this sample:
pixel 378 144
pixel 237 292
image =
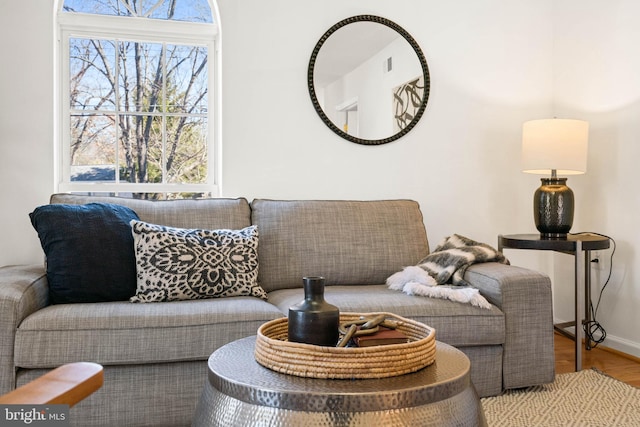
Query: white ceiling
pixel 349 47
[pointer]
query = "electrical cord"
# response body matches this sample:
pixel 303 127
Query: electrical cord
pixel 593 330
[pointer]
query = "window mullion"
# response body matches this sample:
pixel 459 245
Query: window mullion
pixel 64 161
pixel 163 108
pixel 117 111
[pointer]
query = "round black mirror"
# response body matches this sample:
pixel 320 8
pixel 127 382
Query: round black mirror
pixel 368 80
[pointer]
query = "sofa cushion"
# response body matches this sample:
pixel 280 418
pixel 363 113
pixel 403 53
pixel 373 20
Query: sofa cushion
pixel 347 242
pixel 182 264
pixel 89 251
pixel 210 214
pixel 120 333
pixel 455 323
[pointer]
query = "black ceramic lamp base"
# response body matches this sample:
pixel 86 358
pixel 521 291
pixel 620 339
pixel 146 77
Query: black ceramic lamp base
pixel 553 206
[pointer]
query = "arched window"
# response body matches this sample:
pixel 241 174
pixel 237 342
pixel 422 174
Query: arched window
pixel 136 92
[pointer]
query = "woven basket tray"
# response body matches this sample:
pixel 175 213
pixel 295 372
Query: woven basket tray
pixel 305 360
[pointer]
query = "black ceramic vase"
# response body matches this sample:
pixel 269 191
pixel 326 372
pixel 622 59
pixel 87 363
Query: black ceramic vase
pixel 313 320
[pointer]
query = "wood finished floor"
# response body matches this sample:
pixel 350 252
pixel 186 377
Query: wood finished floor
pixel 618 365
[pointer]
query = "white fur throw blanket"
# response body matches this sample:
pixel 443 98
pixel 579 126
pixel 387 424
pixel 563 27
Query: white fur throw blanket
pixel 447 264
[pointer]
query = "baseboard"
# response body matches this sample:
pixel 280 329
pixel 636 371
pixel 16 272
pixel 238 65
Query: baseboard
pixel 622 346
pixel 617 345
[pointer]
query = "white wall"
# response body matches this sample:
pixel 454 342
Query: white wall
pixel 597 79
pixel 26 124
pixel 460 162
pixel 493 65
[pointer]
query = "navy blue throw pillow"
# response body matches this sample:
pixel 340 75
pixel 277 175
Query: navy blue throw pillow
pixel 89 251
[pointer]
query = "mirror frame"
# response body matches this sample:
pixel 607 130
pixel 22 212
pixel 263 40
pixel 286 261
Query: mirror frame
pixel 417 50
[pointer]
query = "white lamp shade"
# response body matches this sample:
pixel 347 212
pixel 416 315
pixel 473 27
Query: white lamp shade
pixel 559 144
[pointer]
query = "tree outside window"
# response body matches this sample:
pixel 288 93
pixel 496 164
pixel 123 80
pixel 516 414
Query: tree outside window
pixel 138 100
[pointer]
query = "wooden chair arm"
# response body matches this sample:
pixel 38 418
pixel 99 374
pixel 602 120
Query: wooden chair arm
pixel 68 384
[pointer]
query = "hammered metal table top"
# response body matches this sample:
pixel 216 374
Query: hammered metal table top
pixel 234 371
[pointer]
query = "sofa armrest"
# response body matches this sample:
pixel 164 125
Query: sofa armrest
pixel 524 296
pixel 23 290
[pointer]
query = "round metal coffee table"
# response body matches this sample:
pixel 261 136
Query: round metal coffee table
pixel 241 392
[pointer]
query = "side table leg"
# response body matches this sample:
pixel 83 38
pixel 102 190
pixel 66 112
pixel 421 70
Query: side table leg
pixel 587 297
pixel 579 302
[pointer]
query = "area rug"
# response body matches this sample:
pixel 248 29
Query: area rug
pixel 585 398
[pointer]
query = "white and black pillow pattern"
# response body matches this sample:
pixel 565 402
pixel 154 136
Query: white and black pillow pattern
pixel 185 264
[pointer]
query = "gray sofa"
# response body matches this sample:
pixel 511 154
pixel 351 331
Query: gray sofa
pixel 155 354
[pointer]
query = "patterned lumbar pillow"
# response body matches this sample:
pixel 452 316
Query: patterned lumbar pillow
pixel 184 264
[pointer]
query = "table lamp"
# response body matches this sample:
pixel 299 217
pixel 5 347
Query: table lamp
pixel 554 147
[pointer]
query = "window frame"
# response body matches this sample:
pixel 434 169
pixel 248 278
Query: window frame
pixel 81 25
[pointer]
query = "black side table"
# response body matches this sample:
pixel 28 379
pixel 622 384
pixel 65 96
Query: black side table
pixel 573 244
